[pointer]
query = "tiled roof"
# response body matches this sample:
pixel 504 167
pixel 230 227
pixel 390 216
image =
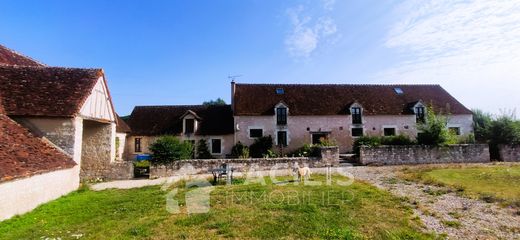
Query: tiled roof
pixel 121 126
pixel 10 57
pixel 159 120
pixel 22 154
pixel 330 99
pixel 45 91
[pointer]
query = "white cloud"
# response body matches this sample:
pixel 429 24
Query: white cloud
pixel 307 32
pixel 470 47
pixel 328 4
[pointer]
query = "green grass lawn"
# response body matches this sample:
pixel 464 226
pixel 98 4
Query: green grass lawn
pixel 499 183
pixel 358 211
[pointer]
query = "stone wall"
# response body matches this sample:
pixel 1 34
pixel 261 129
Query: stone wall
pixel 329 156
pixel 509 153
pixel 97 160
pixel 396 155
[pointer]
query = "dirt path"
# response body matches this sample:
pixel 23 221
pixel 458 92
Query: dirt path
pixel 446 212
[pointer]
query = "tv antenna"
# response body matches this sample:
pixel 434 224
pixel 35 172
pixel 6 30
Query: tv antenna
pixel 234 77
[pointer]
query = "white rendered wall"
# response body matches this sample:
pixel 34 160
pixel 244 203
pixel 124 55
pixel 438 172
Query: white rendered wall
pixel 23 195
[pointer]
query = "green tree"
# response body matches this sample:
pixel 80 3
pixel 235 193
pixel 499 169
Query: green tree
pixel 168 149
pixel 218 101
pixel 503 130
pixel 203 150
pixel 434 131
pixel 481 125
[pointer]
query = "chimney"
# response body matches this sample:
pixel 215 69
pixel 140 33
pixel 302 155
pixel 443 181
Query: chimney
pixel 233 95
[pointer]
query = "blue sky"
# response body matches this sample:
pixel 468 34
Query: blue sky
pixel 182 52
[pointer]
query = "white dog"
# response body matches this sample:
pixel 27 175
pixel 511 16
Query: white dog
pixel 304 173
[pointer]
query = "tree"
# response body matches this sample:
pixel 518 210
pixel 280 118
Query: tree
pixel 434 131
pixel 203 150
pixel 218 101
pixel 503 130
pixel 168 149
pixel 481 125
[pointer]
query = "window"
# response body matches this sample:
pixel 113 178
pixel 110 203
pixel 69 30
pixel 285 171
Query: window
pixel 419 114
pixel 281 116
pixel 357 132
pixel 280 91
pixel 189 126
pixel 356 115
pixel 455 130
pixel 256 133
pixel 281 138
pixel 137 145
pixel 389 131
pixel 317 137
pixel 399 91
pixel 216 146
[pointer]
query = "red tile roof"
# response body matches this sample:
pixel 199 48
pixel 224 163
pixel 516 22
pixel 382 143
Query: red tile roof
pixel 22 154
pixel 121 126
pixel 10 57
pixel 160 120
pixel 331 99
pixel 46 91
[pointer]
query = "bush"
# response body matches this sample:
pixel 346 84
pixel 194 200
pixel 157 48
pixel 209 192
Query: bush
pixel 366 141
pixel 261 147
pixel 203 150
pixel 240 151
pixel 481 125
pixel 504 130
pixel 168 148
pixel 401 140
pixel 434 131
pixel 307 150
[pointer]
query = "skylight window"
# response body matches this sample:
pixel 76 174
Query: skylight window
pixel 280 91
pixel 399 91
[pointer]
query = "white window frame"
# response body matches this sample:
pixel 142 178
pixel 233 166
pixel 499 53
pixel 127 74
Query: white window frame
pixel 287 136
pixel 221 145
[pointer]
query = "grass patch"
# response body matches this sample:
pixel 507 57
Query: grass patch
pixel 452 224
pixel 497 183
pixel 358 211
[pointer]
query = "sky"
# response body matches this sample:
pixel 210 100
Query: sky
pixel 183 52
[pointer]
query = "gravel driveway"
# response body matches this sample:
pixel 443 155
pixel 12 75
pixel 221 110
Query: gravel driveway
pixel 443 211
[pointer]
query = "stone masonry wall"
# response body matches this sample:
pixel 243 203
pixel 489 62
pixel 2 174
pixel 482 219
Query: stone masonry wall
pixel 96 158
pixel 396 155
pixel 509 153
pixel 330 156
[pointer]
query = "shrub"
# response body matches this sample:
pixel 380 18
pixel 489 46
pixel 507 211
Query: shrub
pixel 504 130
pixel 203 150
pixel 434 131
pixel 261 146
pixel 240 151
pixel 481 125
pixel 397 140
pixel 366 141
pixel 168 148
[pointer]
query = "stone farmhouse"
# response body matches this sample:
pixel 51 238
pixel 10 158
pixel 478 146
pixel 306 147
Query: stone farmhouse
pixel 298 114
pixel 188 122
pixel 58 127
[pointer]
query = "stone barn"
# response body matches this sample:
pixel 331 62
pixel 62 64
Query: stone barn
pixel 71 107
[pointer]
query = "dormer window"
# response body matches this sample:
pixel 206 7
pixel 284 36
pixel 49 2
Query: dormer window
pixel 281 116
pixel 189 125
pixel 420 113
pixel 356 115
